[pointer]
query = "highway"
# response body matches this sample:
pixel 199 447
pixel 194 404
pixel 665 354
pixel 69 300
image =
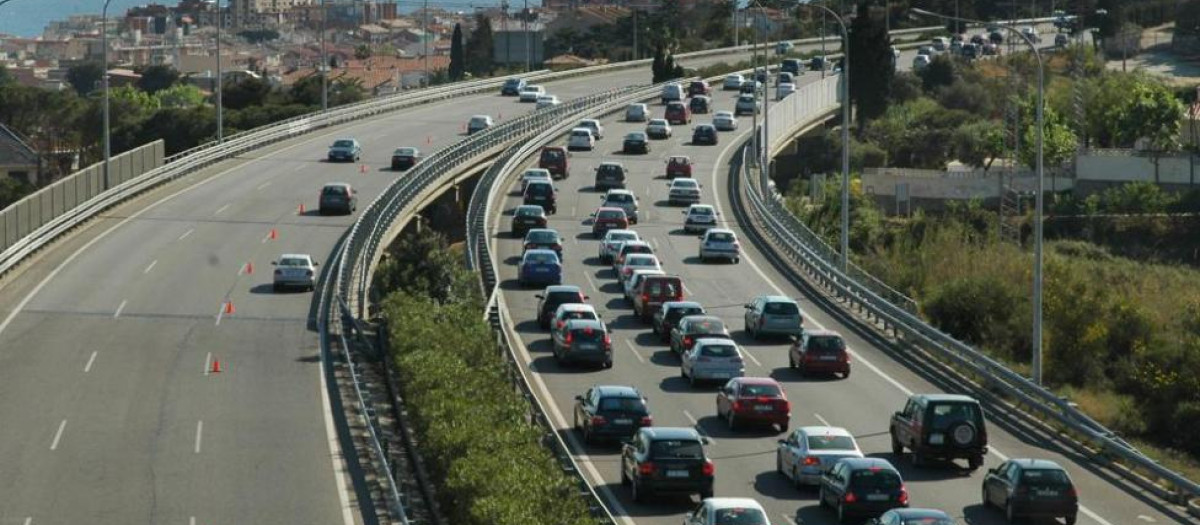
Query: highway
pixel 745 461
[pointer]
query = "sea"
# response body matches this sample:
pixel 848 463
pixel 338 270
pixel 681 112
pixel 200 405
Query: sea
pixel 27 18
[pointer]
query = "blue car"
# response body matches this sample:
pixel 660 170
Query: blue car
pixel 539 266
pixel 348 150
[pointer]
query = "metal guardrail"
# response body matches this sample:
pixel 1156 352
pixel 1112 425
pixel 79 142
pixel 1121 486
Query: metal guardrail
pixel 802 247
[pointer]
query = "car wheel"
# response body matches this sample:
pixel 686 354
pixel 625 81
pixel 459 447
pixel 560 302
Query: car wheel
pixel 692 382
pixel 841 513
pixel 821 498
pixel 846 374
pixel 918 459
pixel 729 418
pixel 608 363
pixel 636 491
pixel 1071 519
pixel 275 287
pixel 974 462
pixel 624 476
pixel 983 497
pixel 779 464
pixel 897 447
pixel 705 494
pixel 1010 514
pixel 587 436
pixel 791 361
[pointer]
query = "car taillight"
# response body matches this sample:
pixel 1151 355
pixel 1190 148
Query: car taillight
pixel 844 357
pixel 646 468
pixel 560 324
pixel 530 246
pixel 903 495
pixel 850 498
pixel 1073 492
pixel 811 460
pixel 737 406
pixel 598 421
pixel 646 298
pixel 687 341
pixel 278 272
pixel 710 468
pixel 308 273
pixel 607 340
pixel 569 339
pixel 647 421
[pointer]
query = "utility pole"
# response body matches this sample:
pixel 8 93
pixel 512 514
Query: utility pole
pixel 635 34
pixel 324 59
pixel 220 79
pixel 104 80
pixel 528 40
pixel 425 39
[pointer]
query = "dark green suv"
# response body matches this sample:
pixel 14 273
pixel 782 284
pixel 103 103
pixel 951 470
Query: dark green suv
pixel 940 426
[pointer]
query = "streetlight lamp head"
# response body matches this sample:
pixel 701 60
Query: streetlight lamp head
pixel 920 11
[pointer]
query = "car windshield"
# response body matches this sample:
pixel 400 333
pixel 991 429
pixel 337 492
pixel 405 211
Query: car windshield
pixel 623 404
pixel 542 237
pixel 723 351
pixel 620 198
pixel 760 390
pixel 1045 478
pixel 825 344
pixel 830 442
pixel 707 326
pixel 739 516
pixel 610 214
pixel 293 262
pixel 540 258
pixel 406 152
pixel 529 211
pixel 622 236
pixel 781 308
pixel 685 183
pixel 874 478
pixel 671 449
pixel 946 414
pixel 720 237
pixel 343 143
pixel 701 211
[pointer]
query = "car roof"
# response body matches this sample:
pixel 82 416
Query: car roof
pixel 620 230
pixel 704 317
pixel 337 184
pixel 541 230
pixel 617 391
pixel 1030 463
pixel 733 503
pixel 555 288
pixel 480 117
pixel 820 331
pixel 634 243
pixel 610 208
pixel 618 164
pixel 754 380
pixel 531 207
pixel 920 513
pixel 825 431
pixel 582 129
pixel 295 256
pixel 646 272
pixel 777 299
pixel 632 133
pixel 704 126
pixel 682 304
pixel 699 206
pixel 619 192
pixel 956 398
pixel 869 463
pixel 542 251
pixel 719 230
pixel 671 433
pixel 576 307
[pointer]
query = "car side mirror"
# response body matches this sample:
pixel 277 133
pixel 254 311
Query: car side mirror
pixel 898 414
pixel 539 296
pixel 746 306
pixel 315 263
pixel 273 263
pixel 579 398
pixel 705 440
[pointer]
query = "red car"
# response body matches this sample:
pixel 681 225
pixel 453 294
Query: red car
pixel 820 352
pixel 698 87
pixel 608 219
pixel 677 113
pixel 653 291
pixel 554 159
pixel 679 166
pixel 754 400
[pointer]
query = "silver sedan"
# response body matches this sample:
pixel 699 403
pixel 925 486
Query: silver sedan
pixel 809 451
pixel 294 270
pixel 712 359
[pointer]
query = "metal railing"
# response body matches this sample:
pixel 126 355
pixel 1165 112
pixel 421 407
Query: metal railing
pixel 799 245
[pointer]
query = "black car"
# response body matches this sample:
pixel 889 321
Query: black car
pixel 609 175
pixel 526 217
pixel 862 487
pixel 996 37
pixel 671 312
pixel 790 65
pixel 553 297
pixel 704 134
pixel 542 194
pixel 337 196
pixel 405 158
pixel 816 64
pixel 667 460
pixel 545 239
pixel 693 327
pixel 700 104
pixel 512 87
pixel 611 411
pixel 583 341
pixel 940 426
pixel 636 142
pixel 1031 488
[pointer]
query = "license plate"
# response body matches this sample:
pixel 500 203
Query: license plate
pixel 764 408
pixel 828 358
pixel 936 439
pixel 587 347
pixel 622 421
pixel 677 473
pixel 1047 493
pixel 721 375
pixel 541 270
pixel 878 497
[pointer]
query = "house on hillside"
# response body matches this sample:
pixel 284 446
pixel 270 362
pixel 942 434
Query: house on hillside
pixel 17 159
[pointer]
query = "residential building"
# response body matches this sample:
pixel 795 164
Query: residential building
pixel 17 159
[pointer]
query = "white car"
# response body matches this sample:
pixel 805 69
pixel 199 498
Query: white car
pixel 1032 33
pixel 478 123
pixel 719 511
pixel 725 121
pixel 785 78
pixel 294 270
pixel 746 105
pixel 593 125
pixel 534 174
pixel 581 138
pixel 733 81
pixel 672 92
pixel 637 113
pixel 720 243
pixel 658 129
pixel 568 311
pixel 920 62
pixel 809 451
pixel 632 282
pixel 637 261
pixel 531 92
pixel 683 190
pixel 700 217
pixel 783 48
pixel 613 239
pixel 784 89
pixel 546 101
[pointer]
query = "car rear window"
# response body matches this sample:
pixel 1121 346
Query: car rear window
pixel 620 198
pixel 718 350
pixel 564 298
pixel 945 414
pixel 540 189
pixel 875 479
pixel 739 516
pixel 683 312
pixel 706 327
pixel 825 344
pixel 637 248
pixel 830 442
pixel 623 404
pixel 610 169
pixel 676 449
pixel 579 314
pixel 588 334
pixel 543 237
pixel 529 211
pixel 1045 478
pixel 610 214
pixel 334 190
pixel 660 288
pixel 720 237
pixel 760 390
pixel 678 161
pixel 293 262
pixel 781 308
pixel 541 258
pixel 552 155
pixel 623 236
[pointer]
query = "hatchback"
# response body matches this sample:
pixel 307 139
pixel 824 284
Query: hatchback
pixel 604 219
pixel 623 199
pixel 581 139
pixel 593 125
pixel 677 113
pixel 613 239
pixel 348 150
pixel 667 460
pixel 672 92
pixel 478 123
pixel 810 451
pixel 790 65
pixel 553 297
pixel 750 400
pixel 819 352
pixel 698 88
pixel 699 217
pixel 784 89
pixel 569 311
pixel 1031 488
pixel 862 487
pixel 544 239
pixel 733 82
pixel 543 194
pixel 700 104
pixel 704 134
pixel 652 292
pixel 678 166
pixel 294 270
pixel 683 191
pixel 531 92
pixel 658 129
pixel 611 411
pixel 637 261
pixel 629 248
pixel 920 62
pixel 526 217
pixel 719 243
pixel 583 341
pixel 547 101
pixel 728 511
pixel 337 196
pixel 913 517
pixel 746 105
pixel 609 175
pixel 725 121
pixel 533 174
pixel 637 113
pixel 693 327
pixel 635 280
pixel 554 159
pixel 539 267
pixel 405 158
pixel 940 426
pixel 636 142
pixel 670 313
pixel 773 315
pixel 712 359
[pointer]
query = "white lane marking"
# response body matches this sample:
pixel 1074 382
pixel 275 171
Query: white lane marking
pixel 686 290
pixel 208 363
pixel 746 352
pixel 636 354
pixel 591 282
pixel 716 196
pixel 1146 518
pixel 696 424
pixel 192 520
pixel 788 519
pixel 29 520
pixel 151 266
pixel 573 214
pixel 339 473
pixel 185 234
pixel 220 314
pixel 821 419
pixel 263 185
pixel 221 209
pixel 88 367
pixel 58 435
pixel 199 434
pixel 654 241
pixel 120 308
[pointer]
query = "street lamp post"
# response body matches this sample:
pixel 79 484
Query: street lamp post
pixel 324 60
pixel 1039 199
pixel 104 83
pixel 220 78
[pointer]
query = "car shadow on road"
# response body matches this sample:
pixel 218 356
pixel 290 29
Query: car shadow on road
pixel 665 357
pixel 593 261
pixel 614 287
pixel 718 428
pixel 776 486
pixel 269 289
pixel 648 339
pixel 677 384
pixel 528 326
pixel 784 374
pixel 936 471
pixel 664 505
pixel 547 364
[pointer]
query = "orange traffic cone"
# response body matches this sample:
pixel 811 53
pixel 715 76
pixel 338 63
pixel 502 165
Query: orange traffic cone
pixel 249 268
pixel 216 366
pixel 274 234
pixel 362 168
pixel 300 210
pixel 229 309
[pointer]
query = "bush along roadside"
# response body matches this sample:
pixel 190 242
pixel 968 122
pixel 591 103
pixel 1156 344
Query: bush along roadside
pixel 473 426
